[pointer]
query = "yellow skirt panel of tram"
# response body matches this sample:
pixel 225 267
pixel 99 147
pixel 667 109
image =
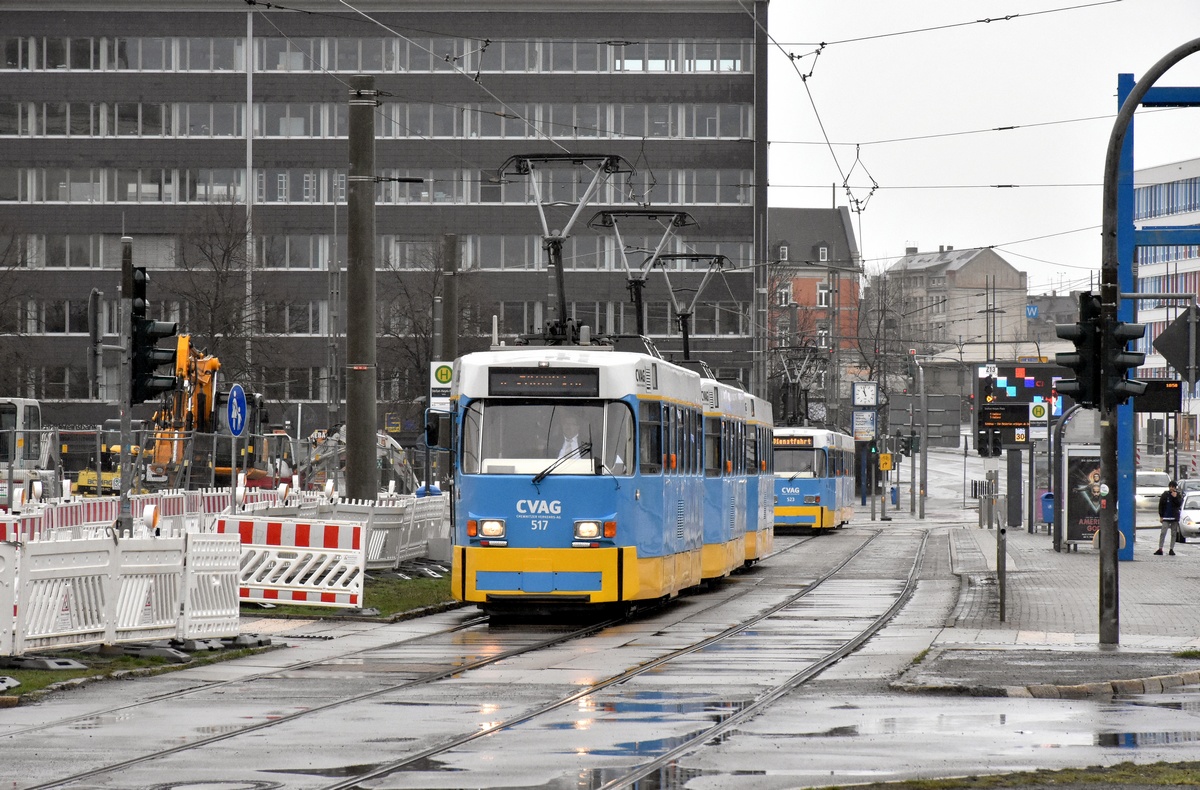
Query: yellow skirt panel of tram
pixel 511 573
pixel 566 572
pixel 820 517
pixel 719 559
pixel 759 543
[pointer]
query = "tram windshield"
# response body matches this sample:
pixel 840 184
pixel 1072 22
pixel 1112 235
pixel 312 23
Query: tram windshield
pixel 523 436
pixel 796 462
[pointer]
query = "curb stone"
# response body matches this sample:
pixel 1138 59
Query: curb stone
pixel 1157 684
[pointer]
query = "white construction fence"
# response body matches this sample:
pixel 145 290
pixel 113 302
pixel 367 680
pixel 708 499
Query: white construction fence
pixel 69 578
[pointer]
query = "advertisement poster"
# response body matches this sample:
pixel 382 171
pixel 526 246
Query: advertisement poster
pixel 1082 482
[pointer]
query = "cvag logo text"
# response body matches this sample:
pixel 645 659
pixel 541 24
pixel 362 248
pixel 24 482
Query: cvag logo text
pixel 534 507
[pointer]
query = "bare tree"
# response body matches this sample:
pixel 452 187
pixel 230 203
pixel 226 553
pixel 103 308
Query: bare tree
pixel 405 294
pixel 211 285
pixel 882 349
pixel 15 295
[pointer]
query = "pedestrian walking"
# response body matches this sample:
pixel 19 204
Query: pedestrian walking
pixel 1169 505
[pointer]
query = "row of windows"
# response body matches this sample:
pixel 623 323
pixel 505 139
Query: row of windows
pixel 1162 200
pixel 312 317
pixel 1178 252
pixel 682 441
pixel 658 318
pixel 394 120
pixel 784 294
pixel 57 382
pixel 393 253
pixel 1180 282
pixel 358 55
pixel 304 185
pixel 70 316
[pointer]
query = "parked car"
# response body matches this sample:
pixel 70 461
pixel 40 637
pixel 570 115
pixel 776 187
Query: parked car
pixel 1186 486
pixel 1189 518
pixel 1148 487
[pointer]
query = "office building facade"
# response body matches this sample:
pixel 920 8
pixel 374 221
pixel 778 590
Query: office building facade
pixel 215 136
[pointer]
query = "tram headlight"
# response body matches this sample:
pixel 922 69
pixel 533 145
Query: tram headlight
pixel 491 527
pixel 588 530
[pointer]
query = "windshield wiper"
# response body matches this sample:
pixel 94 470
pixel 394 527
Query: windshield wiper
pixel 585 447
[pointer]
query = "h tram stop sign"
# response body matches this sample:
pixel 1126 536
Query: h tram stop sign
pixel 1173 344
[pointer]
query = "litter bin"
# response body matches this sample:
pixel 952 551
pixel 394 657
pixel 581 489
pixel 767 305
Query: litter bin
pixel 1048 510
pixel 895 495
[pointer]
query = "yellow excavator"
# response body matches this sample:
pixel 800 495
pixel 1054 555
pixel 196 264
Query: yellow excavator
pixel 191 408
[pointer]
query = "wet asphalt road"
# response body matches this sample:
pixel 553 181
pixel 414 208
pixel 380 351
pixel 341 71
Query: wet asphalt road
pixel 850 725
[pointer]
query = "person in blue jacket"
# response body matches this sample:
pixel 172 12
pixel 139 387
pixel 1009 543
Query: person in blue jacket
pixel 1169 505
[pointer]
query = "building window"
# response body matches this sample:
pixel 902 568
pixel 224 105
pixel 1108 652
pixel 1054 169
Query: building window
pixel 823 254
pixel 783 253
pixel 783 297
pixel 823 294
pixel 822 336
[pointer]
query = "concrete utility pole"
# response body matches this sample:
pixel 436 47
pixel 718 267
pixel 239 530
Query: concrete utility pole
pixel 1109 289
pixel 362 476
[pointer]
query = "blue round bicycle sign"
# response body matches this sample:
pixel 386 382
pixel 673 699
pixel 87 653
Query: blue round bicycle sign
pixel 235 413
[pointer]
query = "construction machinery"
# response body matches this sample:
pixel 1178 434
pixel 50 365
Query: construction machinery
pixel 187 410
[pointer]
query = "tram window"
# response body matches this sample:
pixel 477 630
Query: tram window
pixel 8 422
pixel 752 451
pixel 530 430
pixel 618 439
pixel 650 436
pixel 471 437
pixel 797 462
pixel 712 447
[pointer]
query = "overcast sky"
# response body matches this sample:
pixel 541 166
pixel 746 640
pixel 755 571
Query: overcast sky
pixel 1044 71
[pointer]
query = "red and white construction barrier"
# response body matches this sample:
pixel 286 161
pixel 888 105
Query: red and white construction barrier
pixel 318 564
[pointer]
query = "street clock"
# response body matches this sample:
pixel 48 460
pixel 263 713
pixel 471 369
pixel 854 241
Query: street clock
pixel 865 393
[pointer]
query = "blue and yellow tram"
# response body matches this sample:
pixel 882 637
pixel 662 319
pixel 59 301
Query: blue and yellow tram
pixel 591 476
pixel 814 478
pixel 579 478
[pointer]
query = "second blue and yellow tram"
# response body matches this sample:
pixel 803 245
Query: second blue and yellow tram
pixel 814 478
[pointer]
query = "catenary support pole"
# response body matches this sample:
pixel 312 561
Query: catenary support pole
pixel 361 474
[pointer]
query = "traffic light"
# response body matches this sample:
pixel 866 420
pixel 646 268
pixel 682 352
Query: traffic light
pixel 147 356
pixel 1119 388
pixel 997 443
pixel 1084 389
pixel 905 445
pixel 983 442
pixel 987 389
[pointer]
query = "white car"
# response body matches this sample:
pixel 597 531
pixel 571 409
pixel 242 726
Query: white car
pixel 1148 488
pixel 1189 518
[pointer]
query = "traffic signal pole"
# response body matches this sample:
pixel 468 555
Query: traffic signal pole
pixel 124 516
pixel 1111 278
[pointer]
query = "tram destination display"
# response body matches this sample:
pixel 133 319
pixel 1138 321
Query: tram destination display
pixel 545 382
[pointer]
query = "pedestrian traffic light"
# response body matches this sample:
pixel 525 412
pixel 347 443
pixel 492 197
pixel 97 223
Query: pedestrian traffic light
pixel 1085 388
pixel 147 357
pixel 1119 387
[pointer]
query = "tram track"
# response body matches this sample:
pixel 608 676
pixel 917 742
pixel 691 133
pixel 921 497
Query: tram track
pixel 765 699
pixel 453 666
